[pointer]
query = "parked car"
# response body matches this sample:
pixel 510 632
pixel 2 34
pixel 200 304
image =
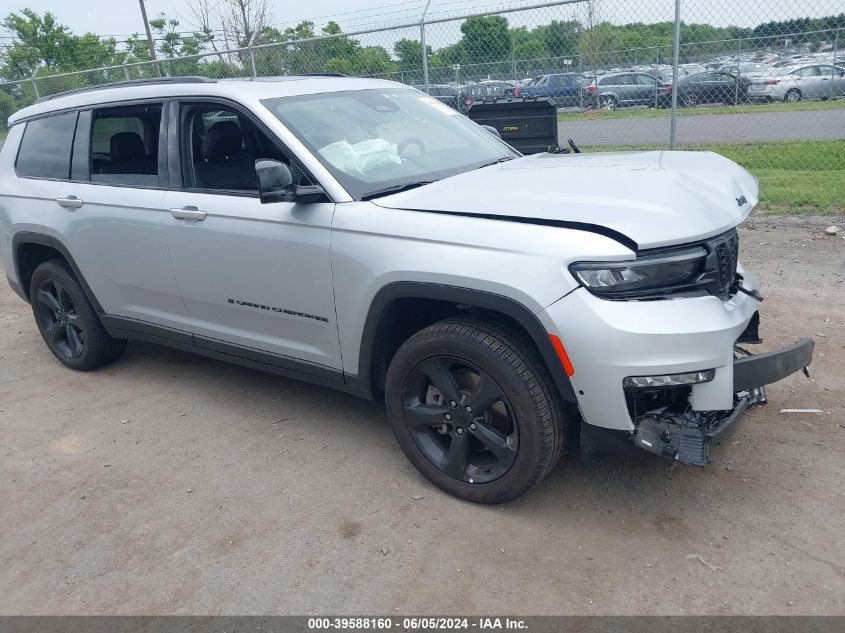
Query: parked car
pixel 444 93
pixel 712 87
pixel 628 89
pixel 476 92
pixel 562 89
pixel 745 69
pixel 355 234
pixel 791 84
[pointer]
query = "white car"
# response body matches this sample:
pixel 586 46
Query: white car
pixel 361 235
pixel 794 83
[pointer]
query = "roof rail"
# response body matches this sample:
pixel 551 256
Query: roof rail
pixel 131 82
pixel 323 75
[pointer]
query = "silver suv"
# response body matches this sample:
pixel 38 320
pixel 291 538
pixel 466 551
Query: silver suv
pixel 362 235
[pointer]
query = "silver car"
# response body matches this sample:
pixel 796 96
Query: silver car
pixel 363 236
pixel 794 83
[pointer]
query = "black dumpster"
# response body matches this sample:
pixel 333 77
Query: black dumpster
pixel 528 125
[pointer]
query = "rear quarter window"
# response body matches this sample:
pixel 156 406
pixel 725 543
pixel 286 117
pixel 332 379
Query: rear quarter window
pixel 46 147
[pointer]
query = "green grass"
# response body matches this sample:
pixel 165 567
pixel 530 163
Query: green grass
pixel 651 113
pixel 796 177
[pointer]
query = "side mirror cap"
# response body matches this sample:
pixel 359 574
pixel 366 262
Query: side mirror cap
pixel 275 181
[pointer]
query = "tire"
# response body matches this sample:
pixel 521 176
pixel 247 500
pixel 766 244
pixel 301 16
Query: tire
pixel 691 101
pixel 67 320
pixel 608 103
pixel 793 95
pixel 523 420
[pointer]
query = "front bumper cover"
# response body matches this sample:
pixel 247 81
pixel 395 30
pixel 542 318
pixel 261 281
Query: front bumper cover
pixel 687 437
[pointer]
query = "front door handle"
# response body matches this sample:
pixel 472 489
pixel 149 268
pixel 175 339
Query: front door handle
pixel 188 213
pixel 69 202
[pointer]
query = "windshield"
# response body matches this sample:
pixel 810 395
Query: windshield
pixel 380 139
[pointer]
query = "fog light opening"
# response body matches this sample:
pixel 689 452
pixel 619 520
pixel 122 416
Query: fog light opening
pixel 670 380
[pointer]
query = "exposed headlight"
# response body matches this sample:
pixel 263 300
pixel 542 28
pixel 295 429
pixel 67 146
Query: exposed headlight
pixel 647 276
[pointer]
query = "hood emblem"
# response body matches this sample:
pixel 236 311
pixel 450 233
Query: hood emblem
pixel 741 200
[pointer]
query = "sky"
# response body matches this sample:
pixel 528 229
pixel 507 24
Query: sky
pixel 123 17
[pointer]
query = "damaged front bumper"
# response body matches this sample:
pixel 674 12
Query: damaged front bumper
pixel 687 436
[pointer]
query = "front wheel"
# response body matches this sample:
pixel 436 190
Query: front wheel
pixel 474 409
pixel 608 103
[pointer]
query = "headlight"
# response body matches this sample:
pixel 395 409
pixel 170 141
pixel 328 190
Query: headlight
pixel 649 276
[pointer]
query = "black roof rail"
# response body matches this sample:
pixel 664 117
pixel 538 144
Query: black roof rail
pixel 132 82
pixel 323 75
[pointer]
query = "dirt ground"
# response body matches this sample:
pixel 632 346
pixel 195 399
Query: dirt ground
pixel 170 483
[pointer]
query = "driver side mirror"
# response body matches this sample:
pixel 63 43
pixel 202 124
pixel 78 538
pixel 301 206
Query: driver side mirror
pixel 275 184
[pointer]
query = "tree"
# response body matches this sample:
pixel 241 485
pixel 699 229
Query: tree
pixel 409 56
pixel 561 37
pixel 486 39
pixel 41 42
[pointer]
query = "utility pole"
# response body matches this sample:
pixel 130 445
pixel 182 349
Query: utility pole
pixel 149 33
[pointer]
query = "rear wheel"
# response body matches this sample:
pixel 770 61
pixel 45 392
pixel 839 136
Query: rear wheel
pixel 793 96
pixel 474 410
pixel 67 320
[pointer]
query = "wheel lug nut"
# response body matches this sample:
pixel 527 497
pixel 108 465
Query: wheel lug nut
pixel 459 431
pixel 469 409
pixel 453 403
pixel 471 427
pixel 448 417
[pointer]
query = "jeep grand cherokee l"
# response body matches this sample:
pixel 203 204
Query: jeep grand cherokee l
pixel 362 235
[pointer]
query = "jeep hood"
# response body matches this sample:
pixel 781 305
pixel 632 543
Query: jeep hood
pixel 642 199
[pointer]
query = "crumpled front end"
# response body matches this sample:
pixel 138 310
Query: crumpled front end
pixel 666 376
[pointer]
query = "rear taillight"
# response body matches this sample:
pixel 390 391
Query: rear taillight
pixel 468 101
pixel 516 93
pixel 771 82
pixel 591 90
pixel 666 88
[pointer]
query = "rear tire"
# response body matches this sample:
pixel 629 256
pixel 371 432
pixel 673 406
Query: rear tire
pixel 67 320
pixel 507 443
pixel 793 96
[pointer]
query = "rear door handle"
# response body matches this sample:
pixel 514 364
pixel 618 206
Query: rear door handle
pixel 188 213
pixel 69 202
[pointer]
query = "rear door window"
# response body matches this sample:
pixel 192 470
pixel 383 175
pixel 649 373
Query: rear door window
pixel 46 147
pixel 124 145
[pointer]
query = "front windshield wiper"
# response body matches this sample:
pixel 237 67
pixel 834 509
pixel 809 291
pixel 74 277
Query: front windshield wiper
pixel 395 189
pixel 503 159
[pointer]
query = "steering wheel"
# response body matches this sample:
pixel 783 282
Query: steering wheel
pixel 408 142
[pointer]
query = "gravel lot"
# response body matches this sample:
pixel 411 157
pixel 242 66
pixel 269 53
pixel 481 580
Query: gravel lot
pixel 709 128
pixel 169 483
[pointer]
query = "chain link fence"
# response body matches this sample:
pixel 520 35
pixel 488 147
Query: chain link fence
pixel 758 81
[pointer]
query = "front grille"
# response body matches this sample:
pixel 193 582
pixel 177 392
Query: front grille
pixel 725 250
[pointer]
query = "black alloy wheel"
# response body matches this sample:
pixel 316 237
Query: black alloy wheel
pixel 67 320
pixel 461 419
pixel 475 409
pixel 58 319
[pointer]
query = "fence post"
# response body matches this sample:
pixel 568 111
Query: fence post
pixel 34 84
pixel 676 53
pixel 125 69
pixel 833 71
pixel 252 52
pixel 657 75
pixel 423 46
